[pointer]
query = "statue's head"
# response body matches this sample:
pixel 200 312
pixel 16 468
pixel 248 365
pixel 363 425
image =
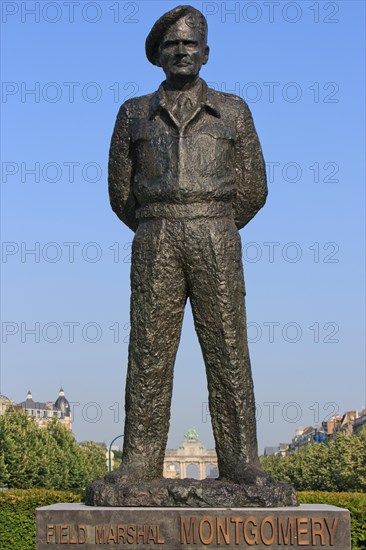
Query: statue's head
pixel 178 43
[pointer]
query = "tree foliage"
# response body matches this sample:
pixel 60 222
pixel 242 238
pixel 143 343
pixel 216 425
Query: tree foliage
pixel 47 457
pixel 338 465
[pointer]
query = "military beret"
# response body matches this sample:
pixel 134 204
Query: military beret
pixel 194 17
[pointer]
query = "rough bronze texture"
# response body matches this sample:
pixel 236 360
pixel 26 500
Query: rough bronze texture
pixel 186 171
pixel 310 526
pixel 257 491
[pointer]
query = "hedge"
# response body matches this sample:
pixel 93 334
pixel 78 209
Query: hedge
pixel 17 513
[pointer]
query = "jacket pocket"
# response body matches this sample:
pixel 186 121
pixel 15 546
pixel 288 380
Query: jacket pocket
pixel 142 131
pixel 219 132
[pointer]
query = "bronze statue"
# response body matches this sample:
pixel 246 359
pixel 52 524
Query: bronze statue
pixel 186 172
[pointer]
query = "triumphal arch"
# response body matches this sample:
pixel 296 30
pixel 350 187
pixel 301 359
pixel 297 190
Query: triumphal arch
pixel 190 452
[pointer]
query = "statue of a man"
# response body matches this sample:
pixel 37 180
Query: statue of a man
pixel 186 172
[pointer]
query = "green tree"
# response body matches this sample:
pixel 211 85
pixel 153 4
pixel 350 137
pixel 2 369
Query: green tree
pixel 49 457
pixel 19 449
pixel 94 460
pixel 347 456
pixel 360 460
pixel 4 475
pixel 338 465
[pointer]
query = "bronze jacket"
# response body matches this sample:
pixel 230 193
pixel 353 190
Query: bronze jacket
pixel 214 156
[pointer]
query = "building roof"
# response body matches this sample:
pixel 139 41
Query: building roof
pixel 4 398
pixel 360 420
pixel 61 404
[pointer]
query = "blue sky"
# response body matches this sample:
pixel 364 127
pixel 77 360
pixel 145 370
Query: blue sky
pixel 300 66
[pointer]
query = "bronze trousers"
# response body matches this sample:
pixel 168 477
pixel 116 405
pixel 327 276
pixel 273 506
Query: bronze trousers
pixel 172 260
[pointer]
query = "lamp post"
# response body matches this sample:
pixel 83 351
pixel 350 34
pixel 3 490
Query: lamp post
pixel 109 452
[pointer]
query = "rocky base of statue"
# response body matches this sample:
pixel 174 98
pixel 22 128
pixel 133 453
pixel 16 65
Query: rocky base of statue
pixel 253 489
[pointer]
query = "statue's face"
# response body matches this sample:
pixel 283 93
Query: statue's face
pixel 182 51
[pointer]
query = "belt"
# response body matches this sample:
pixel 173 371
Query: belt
pixel 185 211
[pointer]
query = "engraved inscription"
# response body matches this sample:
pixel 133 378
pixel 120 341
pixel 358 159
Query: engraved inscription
pixel 66 534
pixel 128 534
pixel 208 530
pixel 250 531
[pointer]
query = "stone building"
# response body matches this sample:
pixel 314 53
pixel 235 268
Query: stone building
pixel 44 411
pixel 360 422
pixel 191 452
pixel 352 422
pixel 5 402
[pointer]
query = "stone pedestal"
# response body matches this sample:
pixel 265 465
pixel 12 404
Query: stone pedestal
pixel 78 525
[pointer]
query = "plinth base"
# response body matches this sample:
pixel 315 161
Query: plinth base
pixel 258 490
pixel 308 525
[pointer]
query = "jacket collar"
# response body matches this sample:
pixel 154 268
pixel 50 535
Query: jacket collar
pixel 208 101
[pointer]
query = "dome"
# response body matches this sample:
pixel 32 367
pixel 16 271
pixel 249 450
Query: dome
pixel 62 403
pixel 29 403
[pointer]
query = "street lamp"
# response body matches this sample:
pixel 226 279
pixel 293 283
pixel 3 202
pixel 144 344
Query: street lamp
pixel 109 452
